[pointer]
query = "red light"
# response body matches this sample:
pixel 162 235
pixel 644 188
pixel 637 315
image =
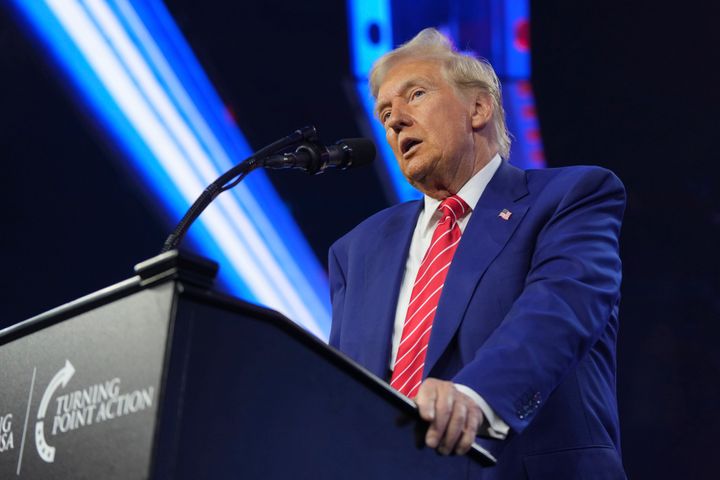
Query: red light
pixel 537 157
pixel 522 35
pixel 532 135
pixel 528 112
pixel 524 88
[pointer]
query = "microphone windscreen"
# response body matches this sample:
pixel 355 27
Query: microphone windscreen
pixel 362 150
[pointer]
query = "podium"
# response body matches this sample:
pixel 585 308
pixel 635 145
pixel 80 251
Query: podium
pixel 160 376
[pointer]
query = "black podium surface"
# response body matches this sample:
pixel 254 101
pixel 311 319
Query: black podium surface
pixel 161 377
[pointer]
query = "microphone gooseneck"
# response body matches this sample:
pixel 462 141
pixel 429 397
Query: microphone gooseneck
pixel 309 156
pixel 226 182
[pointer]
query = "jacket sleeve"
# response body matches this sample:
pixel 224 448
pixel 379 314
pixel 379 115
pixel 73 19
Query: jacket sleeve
pixel 569 294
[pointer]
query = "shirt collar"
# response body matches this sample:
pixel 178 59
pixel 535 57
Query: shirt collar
pixel 470 192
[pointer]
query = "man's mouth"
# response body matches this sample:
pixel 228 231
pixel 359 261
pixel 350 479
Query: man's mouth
pixel 409 145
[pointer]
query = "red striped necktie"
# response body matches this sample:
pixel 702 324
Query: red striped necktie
pixel 408 370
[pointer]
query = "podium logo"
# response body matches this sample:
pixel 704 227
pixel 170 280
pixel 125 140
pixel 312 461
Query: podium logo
pixel 6 434
pixel 96 403
pixel 61 378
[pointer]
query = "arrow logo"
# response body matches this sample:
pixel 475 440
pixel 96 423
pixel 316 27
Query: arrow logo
pixel 61 378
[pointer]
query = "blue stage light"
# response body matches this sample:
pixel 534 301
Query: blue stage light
pixel 130 65
pixel 370 37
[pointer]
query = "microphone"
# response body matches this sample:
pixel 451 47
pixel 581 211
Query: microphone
pixel 314 158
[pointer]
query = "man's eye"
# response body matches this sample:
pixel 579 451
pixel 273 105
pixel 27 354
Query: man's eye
pixel 385 115
pixel 417 93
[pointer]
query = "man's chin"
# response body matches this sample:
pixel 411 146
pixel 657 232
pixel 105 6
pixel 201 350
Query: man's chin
pixel 415 172
pixel 416 181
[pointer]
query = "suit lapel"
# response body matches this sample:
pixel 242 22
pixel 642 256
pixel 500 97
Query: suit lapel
pixel 485 236
pixel 383 276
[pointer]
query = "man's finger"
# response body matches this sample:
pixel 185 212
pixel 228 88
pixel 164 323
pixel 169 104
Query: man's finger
pixel 472 424
pixel 455 427
pixel 445 400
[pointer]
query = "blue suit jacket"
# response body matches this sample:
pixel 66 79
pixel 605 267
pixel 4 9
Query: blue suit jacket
pixel 528 316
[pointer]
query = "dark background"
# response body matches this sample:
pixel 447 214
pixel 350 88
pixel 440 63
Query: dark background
pixel 632 86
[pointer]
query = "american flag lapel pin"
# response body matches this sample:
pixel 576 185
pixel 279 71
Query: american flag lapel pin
pixel 505 214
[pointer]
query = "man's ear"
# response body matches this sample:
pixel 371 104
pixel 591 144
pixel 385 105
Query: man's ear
pixel 482 111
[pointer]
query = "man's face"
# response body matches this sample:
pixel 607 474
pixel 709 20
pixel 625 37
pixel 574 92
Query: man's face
pixel 429 127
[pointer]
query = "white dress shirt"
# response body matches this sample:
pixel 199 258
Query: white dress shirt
pixel 493 426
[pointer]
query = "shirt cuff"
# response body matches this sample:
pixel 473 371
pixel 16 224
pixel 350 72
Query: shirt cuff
pixel 493 426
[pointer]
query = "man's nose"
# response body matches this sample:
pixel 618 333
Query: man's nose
pixel 399 118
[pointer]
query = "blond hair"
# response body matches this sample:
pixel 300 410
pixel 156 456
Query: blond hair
pixel 464 72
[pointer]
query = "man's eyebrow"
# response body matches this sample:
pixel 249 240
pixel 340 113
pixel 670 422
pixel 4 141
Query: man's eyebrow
pixel 404 87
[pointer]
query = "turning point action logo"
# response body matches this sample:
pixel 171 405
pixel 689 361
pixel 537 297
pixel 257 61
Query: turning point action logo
pixel 96 403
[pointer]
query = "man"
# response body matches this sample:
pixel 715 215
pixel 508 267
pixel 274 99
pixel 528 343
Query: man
pixel 493 302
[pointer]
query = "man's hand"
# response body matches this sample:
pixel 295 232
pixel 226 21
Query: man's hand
pixel 454 417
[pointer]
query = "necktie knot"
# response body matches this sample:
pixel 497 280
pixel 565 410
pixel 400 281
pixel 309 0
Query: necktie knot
pixel 454 208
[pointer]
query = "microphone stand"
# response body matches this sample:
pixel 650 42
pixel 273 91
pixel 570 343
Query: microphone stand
pixel 238 172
